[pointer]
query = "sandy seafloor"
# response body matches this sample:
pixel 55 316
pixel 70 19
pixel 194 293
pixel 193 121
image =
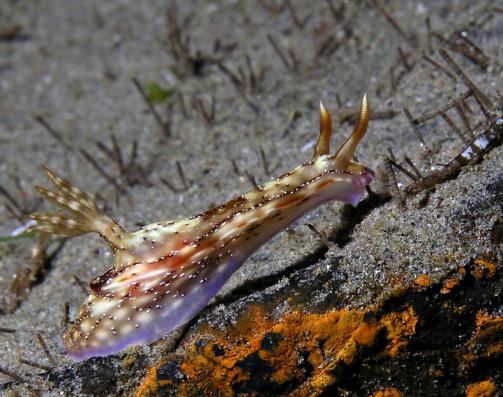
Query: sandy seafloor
pixel 75 68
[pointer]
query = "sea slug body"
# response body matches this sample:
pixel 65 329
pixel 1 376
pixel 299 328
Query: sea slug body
pixel 166 272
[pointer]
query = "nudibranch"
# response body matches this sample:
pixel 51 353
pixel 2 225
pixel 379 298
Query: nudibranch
pixel 166 272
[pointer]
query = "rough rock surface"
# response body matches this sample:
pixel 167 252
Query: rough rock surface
pixel 402 301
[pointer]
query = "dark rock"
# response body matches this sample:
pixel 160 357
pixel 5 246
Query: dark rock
pixel 170 371
pixel 271 339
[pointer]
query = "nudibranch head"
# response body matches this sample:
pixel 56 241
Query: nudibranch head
pixel 351 176
pixel 343 158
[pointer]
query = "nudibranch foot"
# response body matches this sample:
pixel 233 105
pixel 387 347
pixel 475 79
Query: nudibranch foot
pixel 166 272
